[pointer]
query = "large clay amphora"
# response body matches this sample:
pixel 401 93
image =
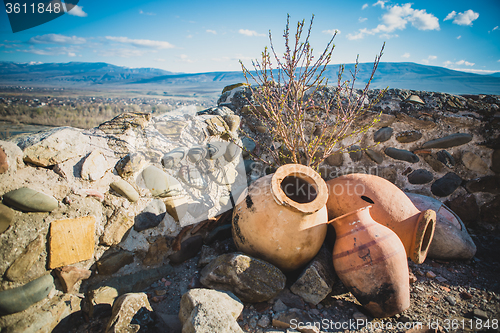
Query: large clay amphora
pixel 370 260
pixel 451 240
pixel 282 217
pixel 391 207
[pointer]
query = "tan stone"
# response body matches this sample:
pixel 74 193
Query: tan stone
pixel 23 263
pixel 118 225
pixel 474 162
pixel 71 241
pixel 69 276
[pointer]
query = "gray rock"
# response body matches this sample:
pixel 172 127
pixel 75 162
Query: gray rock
pixel 232 152
pixel 252 280
pixel 317 279
pixel 29 200
pixel 408 136
pixel 279 306
pixel 23 263
pixel 207 254
pixel 189 248
pixel 474 162
pixel 134 282
pixel 160 184
pixel 205 310
pixel 6 216
pixel 110 264
pixel 495 161
pixel 94 167
pixel 151 216
pixel 129 164
pixel 488 184
pixel 61 145
pixel 374 156
pixel 453 140
pixel 123 188
pixel 126 309
pixel 383 134
pixel 248 145
pixel 20 298
pixel 445 157
pixel 446 185
pixel 336 159
pixel 420 176
pixel 401 154
pixel 264 321
pixel 465 206
pixel 355 153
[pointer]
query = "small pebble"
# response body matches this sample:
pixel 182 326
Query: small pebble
pixel 264 321
pixel 441 279
pixel 430 274
pixel 466 295
pixel 160 292
pixel 451 300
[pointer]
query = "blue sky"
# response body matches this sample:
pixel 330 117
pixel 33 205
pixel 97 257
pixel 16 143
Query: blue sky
pixel 203 36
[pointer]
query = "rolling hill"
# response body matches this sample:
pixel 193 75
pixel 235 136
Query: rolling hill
pixel 403 75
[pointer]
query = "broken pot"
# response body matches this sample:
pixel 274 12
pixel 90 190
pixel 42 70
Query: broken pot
pixel 391 207
pixel 282 217
pixel 370 260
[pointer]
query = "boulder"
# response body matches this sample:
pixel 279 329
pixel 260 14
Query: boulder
pixel 205 310
pixel 126 309
pixel 317 279
pixel 250 279
pixel 60 145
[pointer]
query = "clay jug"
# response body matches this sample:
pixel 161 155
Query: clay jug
pixel 391 207
pixel 370 260
pixel 282 217
pixel 451 240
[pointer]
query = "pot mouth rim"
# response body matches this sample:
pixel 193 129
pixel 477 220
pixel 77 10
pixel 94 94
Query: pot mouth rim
pixel 307 174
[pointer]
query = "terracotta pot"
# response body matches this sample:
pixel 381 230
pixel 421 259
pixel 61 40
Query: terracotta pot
pixel 370 260
pixel 391 207
pixel 451 240
pixel 282 217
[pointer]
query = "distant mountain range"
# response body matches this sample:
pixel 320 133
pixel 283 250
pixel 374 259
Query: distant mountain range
pixel 403 75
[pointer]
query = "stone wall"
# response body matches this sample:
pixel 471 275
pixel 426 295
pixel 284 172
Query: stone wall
pixel 99 204
pixel 439 145
pixel 112 206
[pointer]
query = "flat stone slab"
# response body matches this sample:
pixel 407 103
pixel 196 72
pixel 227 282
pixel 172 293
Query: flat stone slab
pixel 29 200
pixel 453 140
pixel 71 241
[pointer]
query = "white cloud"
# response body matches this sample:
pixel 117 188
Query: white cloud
pixel 123 53
pixel 495 28
pixel 250 33
pixel 146 13
pixel 362 19
pixel 380 2
pixel 52 51
pixel 364 6
pixel 429 59
pixel 154 44
pixel 212 31
pixel 397 17
pixel 56 39
pixel 466 18
pixel 189 36
pixel 450 16
pixel 406 55
pixel 185 58
pixel 76 11
pixel 331 32
pixel 448 63
pixel 458 37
